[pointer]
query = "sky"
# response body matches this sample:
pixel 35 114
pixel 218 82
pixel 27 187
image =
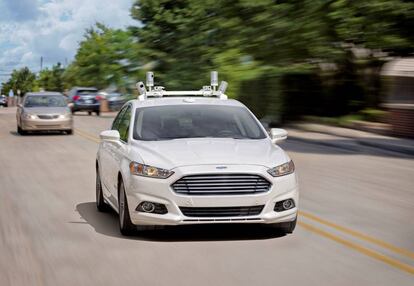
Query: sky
pixel 52 29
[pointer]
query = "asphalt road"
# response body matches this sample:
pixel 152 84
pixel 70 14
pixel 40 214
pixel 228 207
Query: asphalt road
pixel 355 227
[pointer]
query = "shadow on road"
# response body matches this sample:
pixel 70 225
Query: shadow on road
pixel 39 133
pixel 107 224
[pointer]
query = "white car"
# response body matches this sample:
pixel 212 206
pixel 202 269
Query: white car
pixel 194 160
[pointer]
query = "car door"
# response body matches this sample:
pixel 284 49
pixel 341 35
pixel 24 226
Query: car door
pixel 106 159
pixel 118 149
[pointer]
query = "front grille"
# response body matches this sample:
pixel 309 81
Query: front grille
pixel 47 126
pixel 221 211
pixel 221 184
pixel 47 116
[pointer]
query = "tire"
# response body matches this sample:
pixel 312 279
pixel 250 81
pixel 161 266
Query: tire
pixel 100 202
pixel 69 132
pixel 73 111
pixel 89 112
pixel 126 227
pixel 286 227
pixel 98 113
pixel 21 131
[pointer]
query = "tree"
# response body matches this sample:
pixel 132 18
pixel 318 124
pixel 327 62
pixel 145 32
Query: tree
pixel 259 40
pixel 22 79
pixel 51 80
pixel 102 58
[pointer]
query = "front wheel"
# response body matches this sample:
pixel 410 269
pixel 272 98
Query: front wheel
pixel 98 113
pixel 125 225
pixel 100 202
pixel 20 130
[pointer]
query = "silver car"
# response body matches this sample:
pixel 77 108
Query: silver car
pixel 44 111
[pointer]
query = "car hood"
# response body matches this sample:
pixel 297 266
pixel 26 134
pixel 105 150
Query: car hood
pixel 46 110
pixel 170 154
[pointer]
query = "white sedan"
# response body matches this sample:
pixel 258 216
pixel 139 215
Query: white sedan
pixel 182 160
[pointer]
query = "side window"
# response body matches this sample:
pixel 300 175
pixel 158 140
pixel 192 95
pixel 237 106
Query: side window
pixel 123 126
pixel 115 124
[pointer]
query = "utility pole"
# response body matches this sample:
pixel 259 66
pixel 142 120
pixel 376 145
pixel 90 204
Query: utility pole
pixel 41 63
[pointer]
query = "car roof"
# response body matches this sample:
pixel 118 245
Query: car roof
pixel 43 93
pixel 185 100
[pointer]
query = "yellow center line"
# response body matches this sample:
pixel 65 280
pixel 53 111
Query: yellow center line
pixel 359 248
pixel 87 135
pixel 359 235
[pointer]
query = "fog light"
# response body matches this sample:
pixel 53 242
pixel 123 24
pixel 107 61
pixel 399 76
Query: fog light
pixel 288 204
pixel 284 205
pixel 150 207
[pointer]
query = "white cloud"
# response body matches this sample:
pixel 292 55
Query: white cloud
pixel 52 29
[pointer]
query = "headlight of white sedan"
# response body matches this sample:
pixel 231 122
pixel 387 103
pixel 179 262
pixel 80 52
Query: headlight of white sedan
pixel 282 170
pixel 149 171
pixel 29 116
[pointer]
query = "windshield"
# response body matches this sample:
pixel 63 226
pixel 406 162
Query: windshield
pixel 45 101
pixel 195 121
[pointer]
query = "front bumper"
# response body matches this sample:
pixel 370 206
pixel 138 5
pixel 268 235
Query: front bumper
pixel 141 189
pixel 86 107
pixel 47 124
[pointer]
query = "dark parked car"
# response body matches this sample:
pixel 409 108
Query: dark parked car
pixel 3 101
pixel 85 99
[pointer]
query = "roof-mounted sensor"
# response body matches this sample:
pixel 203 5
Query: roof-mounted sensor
pixel 159 91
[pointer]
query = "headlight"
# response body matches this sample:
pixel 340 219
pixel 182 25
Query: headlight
pixel 281 170
pixel 63 116
pixel 29 116
pixel 149 171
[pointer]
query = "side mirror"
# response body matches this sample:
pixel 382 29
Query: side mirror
pixel 110 135
pixel 19 105
pixel 278 135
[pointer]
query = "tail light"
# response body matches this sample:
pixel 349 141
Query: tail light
pixel 98 97
pixel 76 97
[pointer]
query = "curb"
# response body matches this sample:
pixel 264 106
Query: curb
pixel 347 147
pixel 389 147
pixel 408 150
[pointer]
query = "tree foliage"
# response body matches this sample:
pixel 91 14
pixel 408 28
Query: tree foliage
pixel 51 79
pixel 103 58
pixel 254 40
pixel 22 79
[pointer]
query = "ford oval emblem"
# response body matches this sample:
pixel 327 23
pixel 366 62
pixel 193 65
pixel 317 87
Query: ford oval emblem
pixel 221 167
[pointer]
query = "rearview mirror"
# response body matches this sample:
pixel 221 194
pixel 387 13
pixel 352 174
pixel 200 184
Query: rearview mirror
pixel 278 135
pixel 110 135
